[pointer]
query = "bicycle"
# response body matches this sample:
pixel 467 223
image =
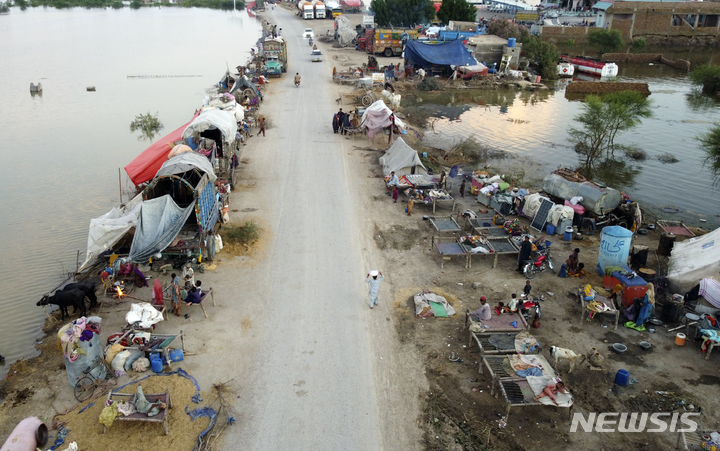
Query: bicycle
pixel 86 385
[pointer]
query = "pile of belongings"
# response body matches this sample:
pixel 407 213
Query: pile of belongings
pixel 428 304
pixel 513 227
pixel 138 404
pixel 434 194
pixel 81 330
pixel 475 244
pixel 121 360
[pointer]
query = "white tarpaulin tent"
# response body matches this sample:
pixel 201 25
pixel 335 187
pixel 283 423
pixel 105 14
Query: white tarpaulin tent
pixel 109 228
pixel 692 260
pixel 377 117
pixel 187 161
pixel 400 158
pixel 213 119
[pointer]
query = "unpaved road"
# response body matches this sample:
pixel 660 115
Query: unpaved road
pixel 302 350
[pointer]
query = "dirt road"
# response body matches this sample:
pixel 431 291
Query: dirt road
pixel 303 346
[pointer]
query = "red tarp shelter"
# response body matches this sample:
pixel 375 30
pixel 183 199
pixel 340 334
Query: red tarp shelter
pixel 144 167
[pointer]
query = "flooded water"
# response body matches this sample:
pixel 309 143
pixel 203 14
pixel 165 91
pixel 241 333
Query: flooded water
pixel 61 150
pixel 535 125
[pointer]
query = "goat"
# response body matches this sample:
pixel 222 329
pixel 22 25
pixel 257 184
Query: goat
pixel 566 354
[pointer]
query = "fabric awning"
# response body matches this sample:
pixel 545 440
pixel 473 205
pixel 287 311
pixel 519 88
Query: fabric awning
pixel 144 167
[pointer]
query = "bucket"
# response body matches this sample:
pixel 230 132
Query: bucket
pixel 567 236
pixel 550 229
pixel 680 339
pixel 511 43
pixel 622 377
pixel 157 365
pixel 176 355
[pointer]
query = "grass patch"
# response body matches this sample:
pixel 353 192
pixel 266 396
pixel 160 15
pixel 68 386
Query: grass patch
pixel 247 234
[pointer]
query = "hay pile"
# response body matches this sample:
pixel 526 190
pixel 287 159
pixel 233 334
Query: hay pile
pixel 86 430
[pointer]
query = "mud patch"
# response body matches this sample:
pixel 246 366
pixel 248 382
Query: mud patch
pixel 396 237
pixel 704 379
pixel 21 396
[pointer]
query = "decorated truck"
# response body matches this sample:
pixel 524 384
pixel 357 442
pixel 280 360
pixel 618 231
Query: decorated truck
pixel 275 55
pixel 388 41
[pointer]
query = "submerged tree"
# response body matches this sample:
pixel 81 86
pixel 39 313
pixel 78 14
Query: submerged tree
pixel 707 76
pixel 147 124
pixel 710 144
pixel 601 120
pixel 402 13
pixel 459 10
pixel 606 40
pixel 543 55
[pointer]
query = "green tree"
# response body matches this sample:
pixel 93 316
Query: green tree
pixel 543 55
pixel 506 29
pixel 603 118
pixel 710 143
pixel 606 40
pixel 147 124
pixel 707 76
pixel 402 13
pixel 459 10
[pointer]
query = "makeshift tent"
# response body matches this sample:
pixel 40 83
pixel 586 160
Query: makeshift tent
pixel 596 198
pixel 400 158
pixel 692 260
pixel 144 167
pixel 160 221
pixel 211 119
pixel 187 161
pixel 377 117
pixel 452 53
pixel 109 228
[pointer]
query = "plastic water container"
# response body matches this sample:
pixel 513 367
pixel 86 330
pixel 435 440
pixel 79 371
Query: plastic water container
pixel 157 365
pixel 615 244
pixel 622 377
pixel 511 43
pixel 567 236
pixel 176 355
pixel 550 229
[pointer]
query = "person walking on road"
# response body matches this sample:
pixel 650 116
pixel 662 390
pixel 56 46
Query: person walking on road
pixel 261 123
pixel 373 278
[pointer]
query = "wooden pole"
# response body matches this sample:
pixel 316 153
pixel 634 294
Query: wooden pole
pixel 120 184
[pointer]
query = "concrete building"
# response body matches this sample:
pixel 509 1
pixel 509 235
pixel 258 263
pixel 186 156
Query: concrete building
pixel 676 18
pixel 488 48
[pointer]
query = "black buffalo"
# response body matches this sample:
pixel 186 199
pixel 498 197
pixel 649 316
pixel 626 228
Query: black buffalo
pixel 86 287
pixel 64 299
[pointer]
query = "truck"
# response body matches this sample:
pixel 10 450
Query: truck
pixel 275 55
pixel 350 6
pixel 319 8
pixel 388 41
pixel 306 10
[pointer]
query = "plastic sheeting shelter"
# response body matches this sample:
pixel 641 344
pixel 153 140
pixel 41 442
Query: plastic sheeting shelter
pixel 600 200
pixel 377 117
pixel 187 161
pixel 400 158
pixel 213 119
pixel 109 228
pixel 452 53
pixel 694 259
pixel 160 221
pixel 144 167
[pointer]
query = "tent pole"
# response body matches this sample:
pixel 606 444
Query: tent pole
pixel 120 184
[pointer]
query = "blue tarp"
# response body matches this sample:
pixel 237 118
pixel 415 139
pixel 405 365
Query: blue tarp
pixel 451 53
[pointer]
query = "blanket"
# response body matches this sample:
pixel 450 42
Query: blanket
pixel 502 341
pixel 710 290
pixel 431 302
pixel 539 383
pixel 523 362
pixel 526 343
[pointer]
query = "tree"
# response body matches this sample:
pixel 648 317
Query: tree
pixel 402 13
pixel 542 54
pixel 148 125
pixel 707 76
pixel 710 143
pixel 459 10
pixel 606 40
pixel 602 118
pixel 506 29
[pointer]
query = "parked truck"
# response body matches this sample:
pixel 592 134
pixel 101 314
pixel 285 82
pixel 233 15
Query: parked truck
pixel 319 8
pixel 306 10
pixel 275 55
pixel 388 41
pixel 350 6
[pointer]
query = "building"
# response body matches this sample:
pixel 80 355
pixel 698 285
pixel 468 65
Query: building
pixel 676 18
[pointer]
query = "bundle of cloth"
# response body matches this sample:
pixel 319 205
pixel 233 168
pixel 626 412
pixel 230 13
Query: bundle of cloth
pixel 82 329
pixel 429 305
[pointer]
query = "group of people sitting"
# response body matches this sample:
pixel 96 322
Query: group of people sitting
pixel 186 290
pixel 484 313
pixel 572 266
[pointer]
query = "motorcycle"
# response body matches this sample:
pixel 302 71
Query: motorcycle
pixel 542 262
pixel 310 42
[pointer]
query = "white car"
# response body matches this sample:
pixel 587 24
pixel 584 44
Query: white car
pixel 316 56
pixel 308 33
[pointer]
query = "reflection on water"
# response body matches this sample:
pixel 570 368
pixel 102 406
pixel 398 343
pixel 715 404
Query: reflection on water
pixel 61 149
pixel 535 124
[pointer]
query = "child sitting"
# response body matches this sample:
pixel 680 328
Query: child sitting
pixel 500 308
pixel 512 306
